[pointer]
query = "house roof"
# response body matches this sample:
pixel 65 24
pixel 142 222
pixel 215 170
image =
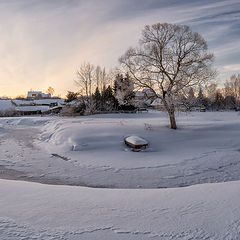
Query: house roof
pixel 32 108
pixel 139 94
pixel 157 102
pixel 6 105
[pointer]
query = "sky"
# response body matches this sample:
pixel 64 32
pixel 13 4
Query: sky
pixel 43 42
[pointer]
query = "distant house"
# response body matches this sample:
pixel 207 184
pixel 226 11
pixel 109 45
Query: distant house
pixel 157 104
pixel 149 93
pixel 139 95
pixel 30 110
pixel 38 106
pixel 37 95
pixel 4 98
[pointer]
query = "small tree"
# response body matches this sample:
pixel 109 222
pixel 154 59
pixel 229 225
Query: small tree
pixel 86 81
pixel 219 101
pixel 50 90
pixel 97 98
pixel 169 60
pixel 232 90
pixel 200 97
pixel 71 96
pixel 109 102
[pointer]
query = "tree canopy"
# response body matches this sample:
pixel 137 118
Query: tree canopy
pixel 169 60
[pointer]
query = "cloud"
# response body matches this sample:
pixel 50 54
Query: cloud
pixel 234 67
pixel 43 42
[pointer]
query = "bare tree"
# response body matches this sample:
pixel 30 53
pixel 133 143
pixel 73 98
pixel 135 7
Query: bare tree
pixel 169 60
pixel 232 88
pixel 50 90
pixel 86 81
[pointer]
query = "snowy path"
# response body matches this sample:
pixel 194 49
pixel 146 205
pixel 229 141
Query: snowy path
pixel 89 151
pixel 35 211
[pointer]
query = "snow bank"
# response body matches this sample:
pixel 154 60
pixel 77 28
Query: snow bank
pixel 35 211
pixel 136 142
pixel 24 121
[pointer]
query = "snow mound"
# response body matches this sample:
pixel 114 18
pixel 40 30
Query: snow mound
pixel 136 142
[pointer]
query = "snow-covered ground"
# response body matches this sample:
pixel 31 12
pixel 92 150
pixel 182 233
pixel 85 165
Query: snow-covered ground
pixel 42 212
pixel 90 151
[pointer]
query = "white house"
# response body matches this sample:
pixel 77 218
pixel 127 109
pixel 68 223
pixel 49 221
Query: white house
pixel 37 94
pixel 158 104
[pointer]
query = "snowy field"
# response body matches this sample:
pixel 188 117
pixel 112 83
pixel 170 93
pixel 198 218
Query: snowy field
pixel 199 164
pixel 90 151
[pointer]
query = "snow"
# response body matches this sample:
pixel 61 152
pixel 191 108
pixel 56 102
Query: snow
pixel 38 101
pixel 37 211
pixel 139 94
pixel 6 105
pixel 135 140
pixel 26 105
pixel 157 102
pixel 49 101
pixel 204 149
pixel 32 108
pixel 197 168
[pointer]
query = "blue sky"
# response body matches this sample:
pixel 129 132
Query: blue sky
pixel 44 41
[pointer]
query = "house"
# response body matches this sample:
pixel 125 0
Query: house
pixel 158 105
pixel 37 95
pixel 144 98
pixel 38 106
pixel 149 93
pixel 139 95
pixel 30 110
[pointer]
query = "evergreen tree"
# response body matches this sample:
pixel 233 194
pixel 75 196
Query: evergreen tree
pixel 191 100
pixel 123 90
pixel 71 96
pixel 97 99
pixel 219 101
pixel 200 98
pixel 108 99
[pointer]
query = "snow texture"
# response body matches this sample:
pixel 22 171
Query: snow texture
pixel 90 151
pixel 36 211
pixel 135 140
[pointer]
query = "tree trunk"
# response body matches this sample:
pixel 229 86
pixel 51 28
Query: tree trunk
pixel 172 121
pixel 171 112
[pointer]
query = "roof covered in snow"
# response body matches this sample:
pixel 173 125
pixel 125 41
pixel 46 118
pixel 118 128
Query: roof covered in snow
pixel 157 102
pixel 6 105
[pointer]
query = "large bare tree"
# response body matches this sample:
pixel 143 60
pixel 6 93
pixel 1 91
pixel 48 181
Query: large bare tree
pixel 169 60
